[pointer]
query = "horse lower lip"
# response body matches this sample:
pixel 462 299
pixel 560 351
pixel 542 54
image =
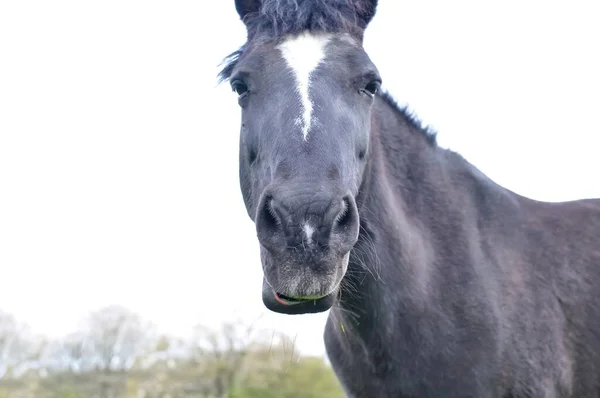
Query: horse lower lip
pixel 285 300
pixel 274 302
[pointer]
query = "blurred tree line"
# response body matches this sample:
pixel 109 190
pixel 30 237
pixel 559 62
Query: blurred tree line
pixel 117 354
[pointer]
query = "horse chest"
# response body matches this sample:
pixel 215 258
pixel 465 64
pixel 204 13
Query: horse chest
pixel 405 368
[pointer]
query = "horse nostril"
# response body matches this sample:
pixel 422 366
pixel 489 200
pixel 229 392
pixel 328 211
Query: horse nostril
pixel 315 221
pixel 269 226
pixel 343 218
pixel 346 226
pixel 348 215
pixel 268 216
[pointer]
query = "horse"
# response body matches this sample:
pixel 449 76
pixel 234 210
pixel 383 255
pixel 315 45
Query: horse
pixel 438 281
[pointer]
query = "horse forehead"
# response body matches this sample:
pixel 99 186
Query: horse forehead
pixel 303 53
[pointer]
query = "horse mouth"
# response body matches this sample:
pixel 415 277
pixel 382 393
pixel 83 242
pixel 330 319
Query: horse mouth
pixel 287 300
pixel 278 302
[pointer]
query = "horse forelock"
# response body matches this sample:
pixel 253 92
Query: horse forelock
pixel 279 19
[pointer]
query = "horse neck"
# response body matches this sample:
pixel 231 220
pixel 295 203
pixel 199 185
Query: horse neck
pixel 419 203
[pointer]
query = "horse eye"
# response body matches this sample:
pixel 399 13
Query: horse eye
pixel 372 88
pixel 239 87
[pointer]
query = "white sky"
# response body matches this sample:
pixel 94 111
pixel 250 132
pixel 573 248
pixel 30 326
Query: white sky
pixel 118 151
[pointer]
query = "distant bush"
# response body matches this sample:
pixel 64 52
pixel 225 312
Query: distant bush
pixel 118 355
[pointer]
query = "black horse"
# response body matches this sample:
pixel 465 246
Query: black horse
pixel 439 282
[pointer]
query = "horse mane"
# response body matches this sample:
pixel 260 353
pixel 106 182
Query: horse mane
pixel 410 117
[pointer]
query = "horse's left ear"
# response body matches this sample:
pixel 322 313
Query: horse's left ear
pixel 365 11
pixel 245 7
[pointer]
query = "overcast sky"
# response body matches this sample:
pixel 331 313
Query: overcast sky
pixel 118 151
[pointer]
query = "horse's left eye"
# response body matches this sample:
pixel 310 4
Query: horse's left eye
pixel 239 87
pixel 372 88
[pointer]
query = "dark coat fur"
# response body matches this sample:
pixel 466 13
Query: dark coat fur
pixel 457 286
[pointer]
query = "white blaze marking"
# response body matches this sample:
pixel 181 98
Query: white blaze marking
pixel 308 230
pixel 303 54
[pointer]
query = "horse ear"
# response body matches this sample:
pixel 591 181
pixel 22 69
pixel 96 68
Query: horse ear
pixel 366 11
pixel 245 7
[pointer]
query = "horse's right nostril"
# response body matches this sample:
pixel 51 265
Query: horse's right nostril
pixel 268 223
pixel 270 215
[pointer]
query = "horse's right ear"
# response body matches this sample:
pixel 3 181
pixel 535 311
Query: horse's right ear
pixel 245 7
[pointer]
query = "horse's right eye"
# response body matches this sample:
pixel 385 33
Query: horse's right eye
pixel 239 87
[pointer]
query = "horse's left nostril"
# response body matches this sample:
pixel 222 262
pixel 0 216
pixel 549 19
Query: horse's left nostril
pixel 344 217
pixel 347 223
pixel 347 214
